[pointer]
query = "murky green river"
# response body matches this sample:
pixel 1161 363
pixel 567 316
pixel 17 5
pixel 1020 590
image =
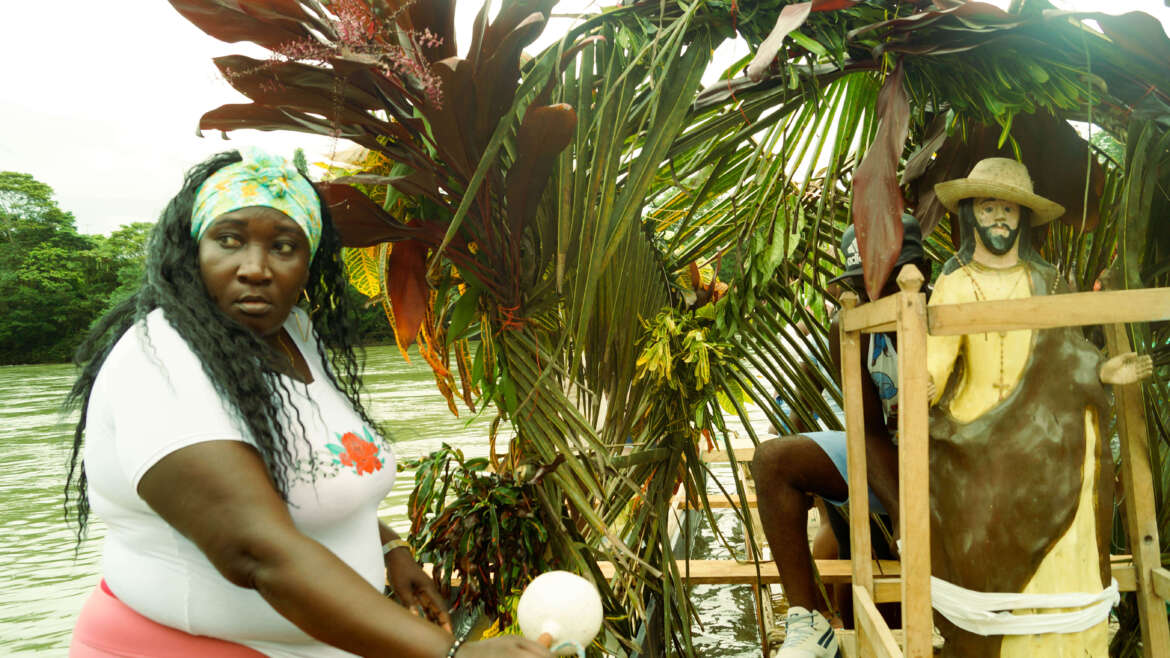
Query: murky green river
pixel 43 582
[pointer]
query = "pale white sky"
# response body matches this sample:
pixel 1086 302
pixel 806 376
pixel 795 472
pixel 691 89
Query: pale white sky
pixel 100 99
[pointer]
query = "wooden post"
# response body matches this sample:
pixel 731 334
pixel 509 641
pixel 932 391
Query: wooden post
pixel 859 541
pixel 874 638
pixel 761 595
pixel 1140 519
pixel 914 465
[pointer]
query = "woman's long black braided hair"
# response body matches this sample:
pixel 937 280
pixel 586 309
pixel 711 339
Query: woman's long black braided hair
pixel 253 389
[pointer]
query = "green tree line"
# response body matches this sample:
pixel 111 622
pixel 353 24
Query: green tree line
pixel 55 282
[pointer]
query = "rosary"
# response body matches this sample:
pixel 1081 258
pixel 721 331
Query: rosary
pixel 1000 385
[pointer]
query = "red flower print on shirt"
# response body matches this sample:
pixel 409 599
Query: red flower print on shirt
pixel 360 454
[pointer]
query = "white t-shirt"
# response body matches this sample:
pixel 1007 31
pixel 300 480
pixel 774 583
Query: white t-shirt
pixel 151 398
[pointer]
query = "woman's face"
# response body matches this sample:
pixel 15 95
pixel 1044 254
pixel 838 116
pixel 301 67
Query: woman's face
pixel 255 263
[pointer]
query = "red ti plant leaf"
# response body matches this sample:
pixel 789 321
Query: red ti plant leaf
pixel 235 116
pixel 359 221
pixel 790 18
pixel 543 134
pixel 269 23
pixel 1138 34
pixel 300 87
pixel 497 69
pixel 832 5
pixel 695 274
pixel 406 286
pixel 927 161
pixel 451 122
pixel 877 200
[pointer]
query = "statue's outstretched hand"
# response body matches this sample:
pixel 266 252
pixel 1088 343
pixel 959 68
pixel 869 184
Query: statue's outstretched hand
pixel 931 390
pixel 1127 368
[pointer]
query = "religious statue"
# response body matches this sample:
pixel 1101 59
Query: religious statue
pixel 1021 478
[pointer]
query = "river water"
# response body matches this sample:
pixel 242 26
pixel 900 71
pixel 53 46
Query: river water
pixel 43 581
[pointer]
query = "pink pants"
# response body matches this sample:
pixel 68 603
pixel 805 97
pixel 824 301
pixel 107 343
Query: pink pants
pixel 108 628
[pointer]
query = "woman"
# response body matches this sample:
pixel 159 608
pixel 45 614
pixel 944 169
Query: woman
pixel 227 449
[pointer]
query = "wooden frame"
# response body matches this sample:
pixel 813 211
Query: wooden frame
pixel 882 581
pixel 907 314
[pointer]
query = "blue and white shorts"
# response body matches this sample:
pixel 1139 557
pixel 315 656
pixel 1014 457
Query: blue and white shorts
pixel 834 445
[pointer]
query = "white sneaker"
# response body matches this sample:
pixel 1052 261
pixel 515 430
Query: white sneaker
pixel 809 635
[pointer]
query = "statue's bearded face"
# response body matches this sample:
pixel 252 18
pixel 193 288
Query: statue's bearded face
pixel 998 224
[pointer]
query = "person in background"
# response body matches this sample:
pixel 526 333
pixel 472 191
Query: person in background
pixel 790 471
pixel 223 441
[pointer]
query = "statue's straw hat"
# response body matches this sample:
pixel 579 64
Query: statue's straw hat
pixel 999 178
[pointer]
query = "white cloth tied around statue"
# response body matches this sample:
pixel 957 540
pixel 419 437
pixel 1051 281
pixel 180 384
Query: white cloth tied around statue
pixel 985 613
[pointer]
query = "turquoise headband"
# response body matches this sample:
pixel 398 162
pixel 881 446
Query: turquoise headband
pixel 261 179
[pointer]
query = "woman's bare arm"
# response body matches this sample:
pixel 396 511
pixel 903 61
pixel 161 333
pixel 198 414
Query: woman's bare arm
pixel 218 494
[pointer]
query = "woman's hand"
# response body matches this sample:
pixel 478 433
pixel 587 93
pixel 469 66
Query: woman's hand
pixel 505 646
pixel 1128 368
pixel 414 589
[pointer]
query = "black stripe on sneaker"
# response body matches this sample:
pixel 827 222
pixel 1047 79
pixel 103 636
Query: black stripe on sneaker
pixel 826 639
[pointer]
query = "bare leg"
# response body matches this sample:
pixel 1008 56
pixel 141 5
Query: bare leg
pixel 882 472
pixel 824 547
pixel 788 471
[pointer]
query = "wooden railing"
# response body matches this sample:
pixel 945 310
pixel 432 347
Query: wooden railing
pixel 906 313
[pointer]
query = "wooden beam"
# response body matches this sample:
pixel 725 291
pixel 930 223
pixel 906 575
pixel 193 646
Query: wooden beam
pixel 760 596
pixel 1047 311
pixel 914 465
pixel 847 643
pixel 887 581
pixel 733 572
pixel 743 455
pixel 718 501
pixel 871 317
pixel 1124 571
pixel 1140 517
pixel 874 637
pixel 1160 579
pixel 851 383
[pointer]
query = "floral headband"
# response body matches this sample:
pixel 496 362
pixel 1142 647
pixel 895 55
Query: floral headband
pixel 260 179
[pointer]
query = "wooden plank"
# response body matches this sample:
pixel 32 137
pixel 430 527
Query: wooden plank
pixel 887 581
pixel 760 597
pixel 742 454
pixel 914 465
pixel 874 637
pixel 1140 516
pixel 1125 572
pixel 1160 580
pixel 1047 311
pixel 847 643
pixel 859 541
pixel 832 572
pixel 717 501
pixel 871 317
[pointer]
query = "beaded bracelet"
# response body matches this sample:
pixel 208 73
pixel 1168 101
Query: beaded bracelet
pixel 455 647
pixel 396 543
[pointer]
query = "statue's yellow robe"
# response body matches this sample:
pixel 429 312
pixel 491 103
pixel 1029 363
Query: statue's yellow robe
pixel 993 364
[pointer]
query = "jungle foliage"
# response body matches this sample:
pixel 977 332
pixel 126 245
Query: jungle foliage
pixel 55 281
pixel 610 254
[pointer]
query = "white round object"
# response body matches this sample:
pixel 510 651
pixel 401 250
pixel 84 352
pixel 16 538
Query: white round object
pixel 564 605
